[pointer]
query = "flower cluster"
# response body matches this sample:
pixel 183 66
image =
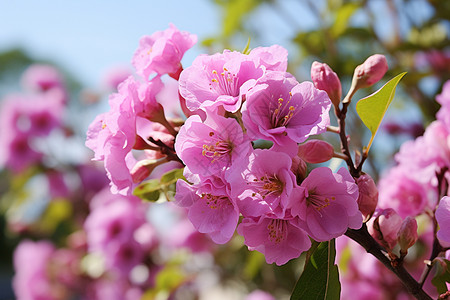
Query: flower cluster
pixel 233 101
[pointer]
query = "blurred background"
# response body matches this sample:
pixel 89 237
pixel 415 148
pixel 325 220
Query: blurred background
pixel 90 45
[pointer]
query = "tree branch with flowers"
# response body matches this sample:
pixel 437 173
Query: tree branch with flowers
pixel 249 156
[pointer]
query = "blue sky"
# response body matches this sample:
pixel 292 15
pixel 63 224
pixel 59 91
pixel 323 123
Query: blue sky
pixel 89 37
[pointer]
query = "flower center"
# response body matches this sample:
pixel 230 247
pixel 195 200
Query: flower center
pixel 224 83
pixel 215 202
pixel 318 201
pixel 268 185
pixel 283 113
pixel 217 149
pixel 277 230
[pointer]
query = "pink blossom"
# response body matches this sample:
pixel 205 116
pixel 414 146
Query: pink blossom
pixel 209 148
pixel 40 77
pixel 329 204
pixel 280 240
pixel 315 151
pixel 259 295
pixel 112 135
pixel 218 80
pixel 273 58
pixel 17 153
pixel 281 110
pixel 162 52
pixel 325 79
pixel 406 192
pixel 210 209
pixel 443 219
pixel 262 184
pixel 32 280
pixel 444 100
pixel 110 229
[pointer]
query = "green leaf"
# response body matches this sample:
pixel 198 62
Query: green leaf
pixel 441 276
pixel 372 108
pixel 171 177
pixel 320 279
pixel 343 15
pixel 148 190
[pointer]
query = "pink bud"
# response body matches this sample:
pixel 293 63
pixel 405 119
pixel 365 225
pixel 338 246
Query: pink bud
pixel 368 195
pixel 315 151
pixel 407 234
pixel 371 71
pixel 299 168
pixel 325 79
pixel 143 168
pixel 385 227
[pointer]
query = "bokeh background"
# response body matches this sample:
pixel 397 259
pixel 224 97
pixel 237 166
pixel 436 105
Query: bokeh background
pixel 89 40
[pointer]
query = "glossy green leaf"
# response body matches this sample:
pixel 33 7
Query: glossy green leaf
pixel 148 190
pixel 372 108
pixel 320 279
pixel 442 276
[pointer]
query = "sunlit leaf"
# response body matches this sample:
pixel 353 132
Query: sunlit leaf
pixel 320 279
pixel 172 176
pixel 148 190
pixel 442 276
pixel 372 108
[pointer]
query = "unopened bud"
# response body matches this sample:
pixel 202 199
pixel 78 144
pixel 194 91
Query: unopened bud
pixel 315 151
pixel 325 79
pixel 371 71
pixel 407 234
pixel 385 228
pixel 368 195
pixel 143 168
pixel 299 168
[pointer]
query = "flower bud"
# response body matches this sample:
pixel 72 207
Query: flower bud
pixel 368 195
pixel 143 168
pixel 407 234
pixel 371 71
pixel 385 228
pixel 315 151
pixel 299 168
pixel 325 79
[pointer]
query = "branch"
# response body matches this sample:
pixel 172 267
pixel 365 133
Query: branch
pixel 362 237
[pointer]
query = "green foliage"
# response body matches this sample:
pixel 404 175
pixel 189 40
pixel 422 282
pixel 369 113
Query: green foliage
pixel 372 108
pixel 320 279
pixel 442 276
pixel 151 190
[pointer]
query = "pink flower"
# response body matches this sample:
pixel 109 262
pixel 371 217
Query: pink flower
pixel 444 100
pixel 273 58
pixel 406 192
pixel 111 227
pixel 259 295
pixel 210 209
pixel 41 78
pixel 443 219
pixel 162 52
pixel 112 135
pixel 262 184
pixel 280 240
pixel 329 204
pixel 31 263
pixel 281 110
pixel 325 79
pixel 209 148
pixel 218 80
